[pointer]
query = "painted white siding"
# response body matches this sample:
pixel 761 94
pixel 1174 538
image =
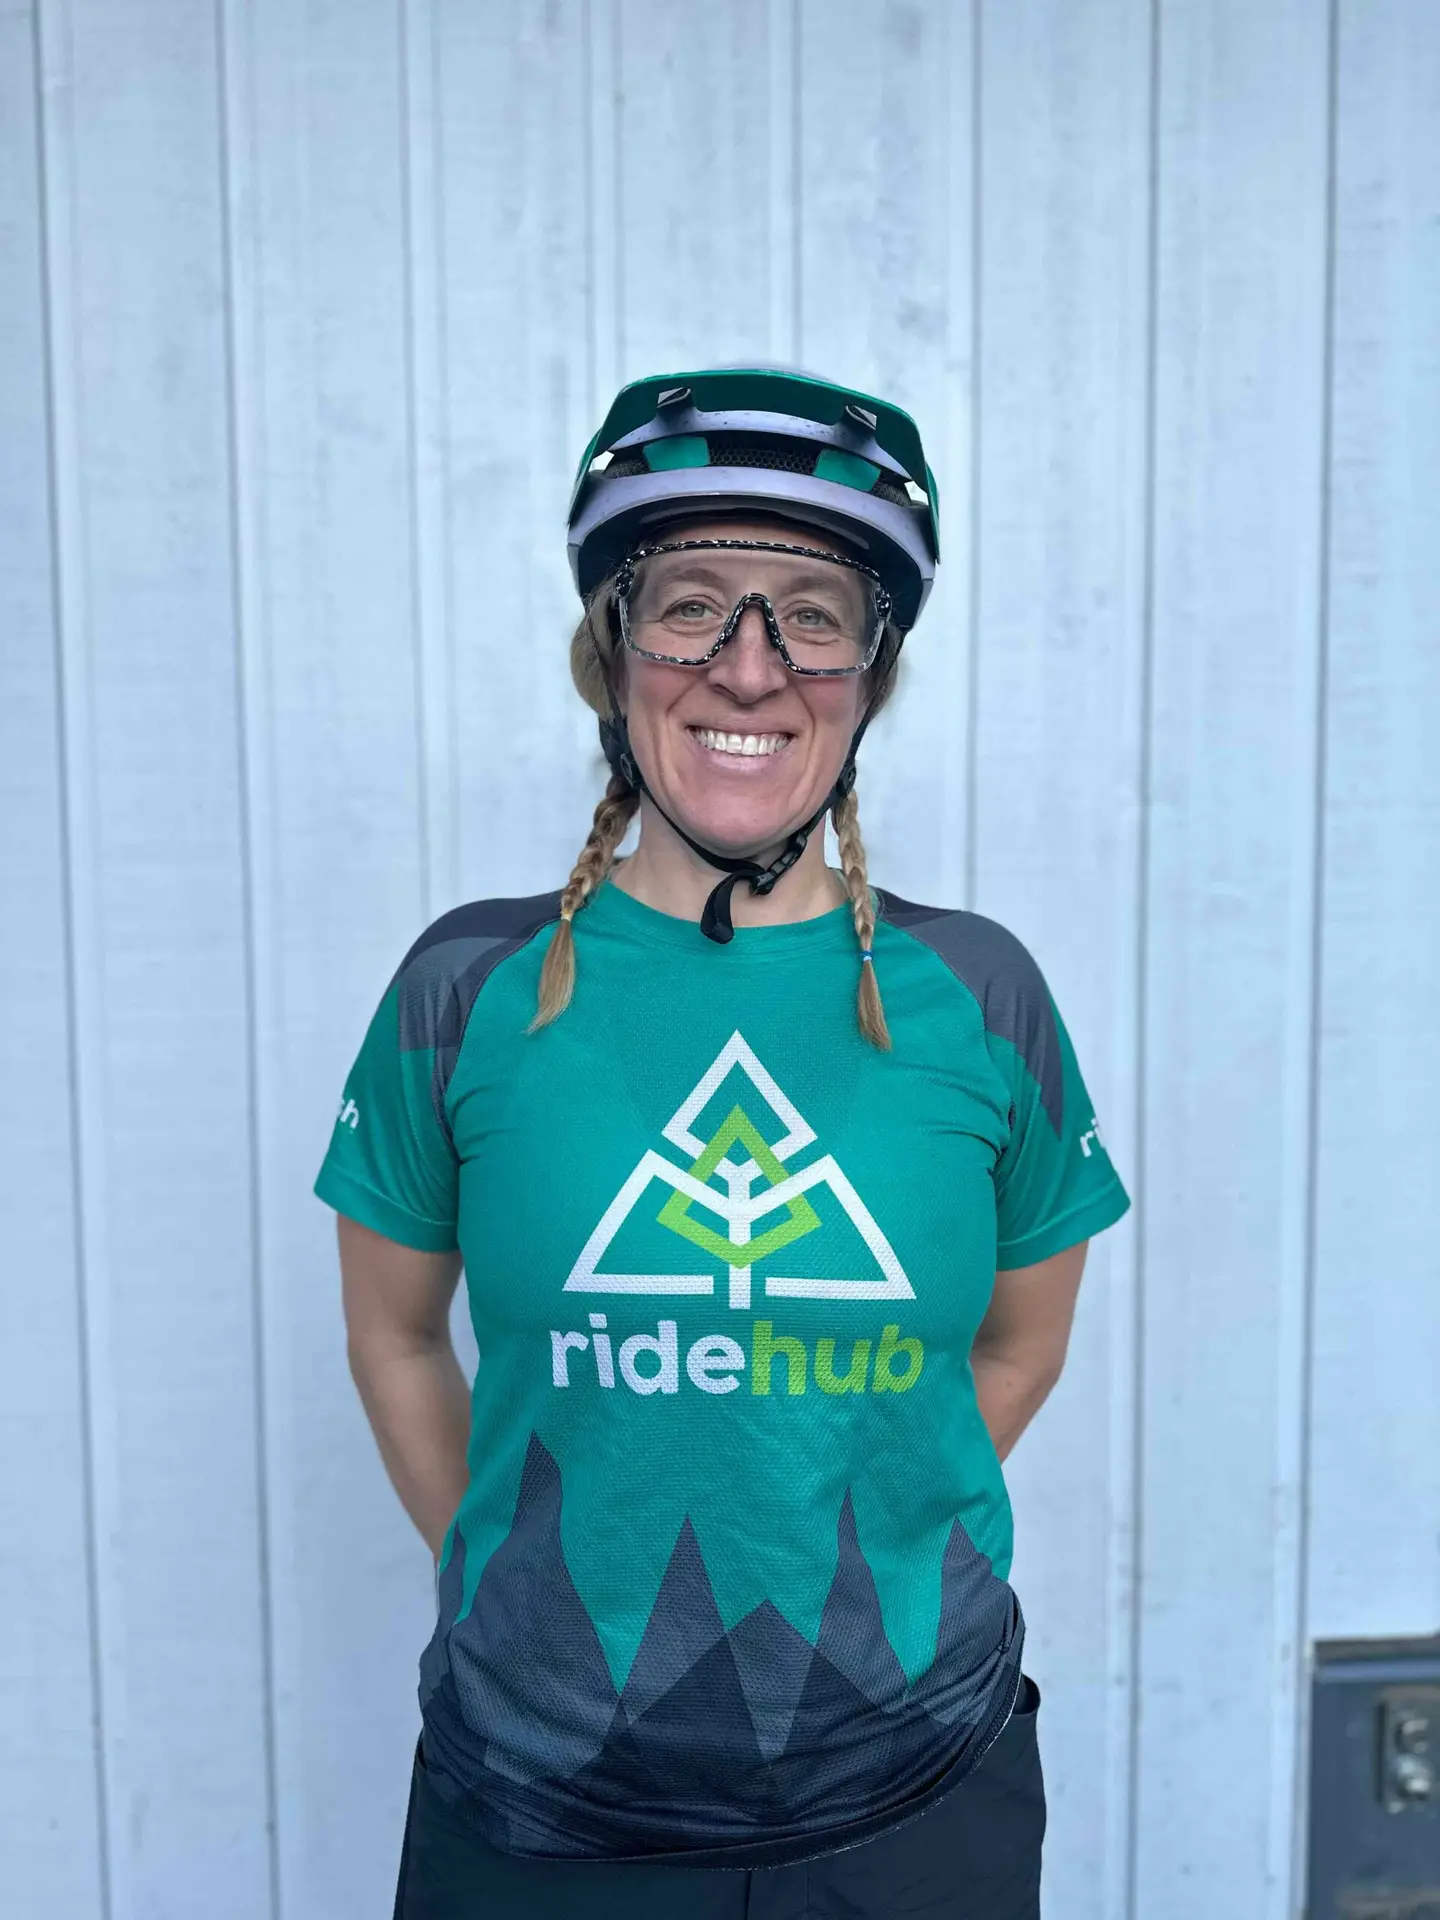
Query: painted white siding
pixel 307 309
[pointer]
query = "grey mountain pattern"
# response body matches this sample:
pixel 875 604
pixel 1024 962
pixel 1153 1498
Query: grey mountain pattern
pixel 717 1736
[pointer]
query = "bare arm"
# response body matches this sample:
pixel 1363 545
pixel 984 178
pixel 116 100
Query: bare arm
pixel 1020 1345
pixel 397 1322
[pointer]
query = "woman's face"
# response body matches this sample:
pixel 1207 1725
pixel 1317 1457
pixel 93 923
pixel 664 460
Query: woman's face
pixel 740 751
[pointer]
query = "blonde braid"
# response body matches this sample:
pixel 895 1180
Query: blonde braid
pixel 869 1007
pixel 597 856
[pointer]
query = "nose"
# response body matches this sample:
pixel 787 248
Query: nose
pixel 748 667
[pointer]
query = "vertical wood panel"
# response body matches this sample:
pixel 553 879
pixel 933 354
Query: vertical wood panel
pixel 883 194
pixel 1375 1502
pixel 700 132
pixel 783 184
pixel 601 82
pixel 427 343
pixel 517 280
pixel 337 767
pixel 49 1705
pixel 136 294
pixel 1228 987
pixel 1061 445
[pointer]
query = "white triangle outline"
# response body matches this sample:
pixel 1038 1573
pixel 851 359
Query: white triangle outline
pixel 586 1277
pixel 737 1052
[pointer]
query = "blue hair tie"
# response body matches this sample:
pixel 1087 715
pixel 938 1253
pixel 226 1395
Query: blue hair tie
pixel 865 954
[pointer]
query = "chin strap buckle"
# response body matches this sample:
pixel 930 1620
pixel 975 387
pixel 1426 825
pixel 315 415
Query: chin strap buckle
pixel 765 878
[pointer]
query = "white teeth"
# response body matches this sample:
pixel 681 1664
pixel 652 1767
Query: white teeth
pixel 747 745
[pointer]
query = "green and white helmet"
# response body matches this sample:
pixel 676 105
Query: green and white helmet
pixel 758 439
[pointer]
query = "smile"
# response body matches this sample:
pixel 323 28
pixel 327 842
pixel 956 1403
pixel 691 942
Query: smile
pixel 748 745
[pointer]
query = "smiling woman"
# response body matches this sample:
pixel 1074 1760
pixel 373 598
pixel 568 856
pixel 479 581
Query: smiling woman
pixel 775 1628
pixel 780 652
pixel 745 721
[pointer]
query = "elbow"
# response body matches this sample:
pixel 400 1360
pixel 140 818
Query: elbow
pixel 1047 1378
pixel 361 1361
pixel 370 1350
pixel 1047 1364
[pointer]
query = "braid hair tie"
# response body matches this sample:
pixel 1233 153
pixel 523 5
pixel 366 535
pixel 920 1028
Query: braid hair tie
pixel 867 958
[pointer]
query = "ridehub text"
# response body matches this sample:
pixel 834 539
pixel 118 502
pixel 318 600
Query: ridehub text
pixel 777 1362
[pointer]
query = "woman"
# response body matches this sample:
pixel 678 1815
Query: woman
pixel 767 1271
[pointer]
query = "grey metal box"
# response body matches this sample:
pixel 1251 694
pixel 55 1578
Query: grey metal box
pixel 1375 1780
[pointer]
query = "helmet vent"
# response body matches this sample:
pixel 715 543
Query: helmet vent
pixel 759 453
pixel 725 452
pixel 884 489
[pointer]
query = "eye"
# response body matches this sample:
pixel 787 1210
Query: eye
pixel 816 618
pixel 691 609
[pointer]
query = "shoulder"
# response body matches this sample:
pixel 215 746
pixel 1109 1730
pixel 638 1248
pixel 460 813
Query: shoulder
pixel 442 973
pixel 998 969
pixel 478 927
pixel 991 960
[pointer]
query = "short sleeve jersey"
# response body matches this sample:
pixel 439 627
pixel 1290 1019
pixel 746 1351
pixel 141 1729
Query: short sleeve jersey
pixel 731 1571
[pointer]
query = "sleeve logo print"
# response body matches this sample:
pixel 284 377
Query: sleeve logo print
pixel 349 1115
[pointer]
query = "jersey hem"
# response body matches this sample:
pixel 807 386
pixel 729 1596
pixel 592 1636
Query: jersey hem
pixel 1077 1223
pixel 357 1201
pixel 792 1848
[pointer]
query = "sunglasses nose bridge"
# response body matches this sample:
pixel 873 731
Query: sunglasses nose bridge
pixel 768 621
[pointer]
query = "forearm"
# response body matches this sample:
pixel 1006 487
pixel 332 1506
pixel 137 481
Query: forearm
pixel 418 1406
pixel 1010 1391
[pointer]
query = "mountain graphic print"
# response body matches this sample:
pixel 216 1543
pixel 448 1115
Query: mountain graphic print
pixel 717 1735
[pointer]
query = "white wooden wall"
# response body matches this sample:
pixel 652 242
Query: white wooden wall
pixel 306 310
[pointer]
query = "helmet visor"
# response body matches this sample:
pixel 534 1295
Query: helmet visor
pixel 681 602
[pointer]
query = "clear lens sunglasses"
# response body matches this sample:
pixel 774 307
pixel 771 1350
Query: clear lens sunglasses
pixel 825 615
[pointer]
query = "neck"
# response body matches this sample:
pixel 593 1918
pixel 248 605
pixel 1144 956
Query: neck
pixel 666 874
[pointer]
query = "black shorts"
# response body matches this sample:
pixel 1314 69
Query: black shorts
pixel 973 1854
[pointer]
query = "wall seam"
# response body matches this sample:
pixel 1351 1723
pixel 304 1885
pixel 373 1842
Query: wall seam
pixel 797 178
pixel 68 626
pixel 587 134
pixel 977 284
pixel 617 184
pixel 1144 865
pixel 1319 853
pixel 244 563
pixel 413 510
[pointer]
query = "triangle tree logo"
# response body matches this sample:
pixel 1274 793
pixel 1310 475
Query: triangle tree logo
pixel 740 1181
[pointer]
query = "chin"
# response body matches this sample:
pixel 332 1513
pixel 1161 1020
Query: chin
pixel 735 832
